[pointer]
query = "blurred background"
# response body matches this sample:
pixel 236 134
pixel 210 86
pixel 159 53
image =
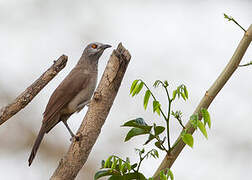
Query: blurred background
pixel 179 41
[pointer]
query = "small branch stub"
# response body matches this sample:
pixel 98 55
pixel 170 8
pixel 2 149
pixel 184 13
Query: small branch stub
pixel 24 98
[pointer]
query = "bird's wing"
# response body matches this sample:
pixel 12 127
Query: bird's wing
pixel 62 95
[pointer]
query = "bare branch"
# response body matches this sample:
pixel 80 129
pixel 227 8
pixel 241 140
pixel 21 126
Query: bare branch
pixel 78 152
pixel 24 98
pixel 209 97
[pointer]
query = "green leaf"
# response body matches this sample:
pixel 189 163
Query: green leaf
pixel 158 130
pixel 120 164
pixel 182 91
pixel 114 163
pixel 194 120
pixel 166 83
pixel 156 83
pixel 102 173
pixel 135 132
pixel 158 145
pixel 186 92
pixel 102 163
pixel 133 85
pixel 128 176
pixel 156 107
pixel 146 98
pixel 228 17
pixel 137 150
pixel 170 174
pixel 174 94
pixel 127 159
pixel 162 175
pixel 188 139
pixel 128 166
pixel 178 91
pixel 206 117
pixel 137 88
pixel 133 166
pixel 154 153
pixel 123 168
pixel 107 163
pixel 183 96
pixel 202 128
pixel 138 123
pixel 151 137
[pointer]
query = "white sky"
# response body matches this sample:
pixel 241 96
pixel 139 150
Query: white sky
pixel 183 42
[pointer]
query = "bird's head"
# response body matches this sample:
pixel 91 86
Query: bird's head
pixel 95 49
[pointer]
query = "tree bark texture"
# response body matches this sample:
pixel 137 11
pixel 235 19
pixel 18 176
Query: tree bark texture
pixel 24 98
pixel 100 105
pixel 209 97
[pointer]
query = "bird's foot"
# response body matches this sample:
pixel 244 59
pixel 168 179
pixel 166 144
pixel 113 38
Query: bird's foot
pixel 88 104
pixel 75 137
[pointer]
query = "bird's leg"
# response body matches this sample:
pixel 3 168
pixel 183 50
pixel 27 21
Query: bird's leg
pixel 71 133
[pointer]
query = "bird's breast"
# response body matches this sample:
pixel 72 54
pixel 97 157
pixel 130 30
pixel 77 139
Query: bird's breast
pixel 84 95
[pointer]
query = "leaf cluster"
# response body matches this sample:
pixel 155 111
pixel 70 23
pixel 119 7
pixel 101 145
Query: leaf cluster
pixel 197 124
pixel 117 168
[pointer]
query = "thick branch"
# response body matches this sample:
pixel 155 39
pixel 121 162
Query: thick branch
pixel 209 96
pixel 23 99
pixel 77 155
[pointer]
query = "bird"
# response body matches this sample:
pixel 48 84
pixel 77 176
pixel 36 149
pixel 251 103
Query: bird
pixel 72 94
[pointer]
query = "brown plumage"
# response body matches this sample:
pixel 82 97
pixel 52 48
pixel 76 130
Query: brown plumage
pixel 73 93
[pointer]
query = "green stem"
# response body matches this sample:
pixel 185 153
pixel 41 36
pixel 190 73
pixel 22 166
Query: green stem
pixel 167 119
pixel 139 164
pixel 180 122
pixel 232 19
pixel 238 25
pixel 168 125
pixel 248 64
pixel 142 158
pixel 168 116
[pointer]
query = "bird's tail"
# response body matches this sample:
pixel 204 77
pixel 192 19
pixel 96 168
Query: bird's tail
pixel 36 145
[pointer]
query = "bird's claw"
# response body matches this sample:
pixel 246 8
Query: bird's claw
pixel 74 138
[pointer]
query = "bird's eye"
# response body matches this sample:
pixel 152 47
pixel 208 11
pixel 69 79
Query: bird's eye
pixel 94 46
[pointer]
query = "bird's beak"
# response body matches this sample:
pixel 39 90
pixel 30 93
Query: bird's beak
pixel 105 46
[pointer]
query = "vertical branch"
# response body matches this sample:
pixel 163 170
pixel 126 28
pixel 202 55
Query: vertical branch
pixel 209 97
pixel 78 152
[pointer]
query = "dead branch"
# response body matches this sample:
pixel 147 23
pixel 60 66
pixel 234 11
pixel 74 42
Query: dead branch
pixel 78 152
pixel 24 98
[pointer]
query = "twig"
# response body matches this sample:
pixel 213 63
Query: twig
pixel 95 117
pixel 24 98
pixel 247 64
pixel 232 19
pixel 209 97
